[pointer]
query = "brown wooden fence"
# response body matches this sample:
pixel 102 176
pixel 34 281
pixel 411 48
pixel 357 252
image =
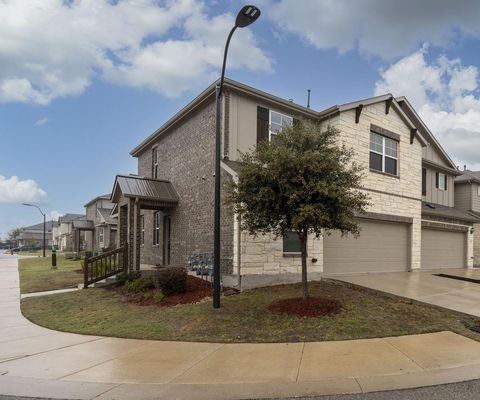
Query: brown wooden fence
pixel 105 265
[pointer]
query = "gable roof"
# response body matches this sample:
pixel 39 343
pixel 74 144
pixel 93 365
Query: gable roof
pixel 106 217
pixel 101 197
pixel 144 188
pixel 468 177
pixel 39 227
pixel 405 104
pixel 209 95
pixel 70 217
pixel 374 100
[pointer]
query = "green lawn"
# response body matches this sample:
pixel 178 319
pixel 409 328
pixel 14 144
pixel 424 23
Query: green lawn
pixel 242 318
pixel 36 274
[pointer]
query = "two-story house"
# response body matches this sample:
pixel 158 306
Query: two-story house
pixel 66 236
pixel 166 211
pixel 467 198
pixel 103 234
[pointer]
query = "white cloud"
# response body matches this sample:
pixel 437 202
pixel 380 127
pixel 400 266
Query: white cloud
pixel 445 94
pixel 14 190
pixel 55 48
pixel 376 27
pixel 54 215
pixel 41 121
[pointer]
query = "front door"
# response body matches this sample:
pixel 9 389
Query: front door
pixel 166 239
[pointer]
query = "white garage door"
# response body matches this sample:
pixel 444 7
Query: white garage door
pixel 381 247
pixel 443 249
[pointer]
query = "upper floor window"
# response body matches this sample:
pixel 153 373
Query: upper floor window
pixel 154 163
pixel 383 154
pixel 156 228
pixel 142 229
pixel 441 181
pixel 277 122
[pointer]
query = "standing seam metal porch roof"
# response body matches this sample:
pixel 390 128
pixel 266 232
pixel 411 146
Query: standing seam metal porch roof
pixel 145 188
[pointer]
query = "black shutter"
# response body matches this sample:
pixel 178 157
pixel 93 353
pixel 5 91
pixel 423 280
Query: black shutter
pixel 263 120
pixel 446 180
pixel 424 181
pixel 295 121
pixel 436 180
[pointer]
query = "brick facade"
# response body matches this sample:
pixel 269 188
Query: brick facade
pixel 186 158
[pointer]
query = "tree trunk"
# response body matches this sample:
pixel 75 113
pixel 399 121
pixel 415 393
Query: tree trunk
pixel 303 240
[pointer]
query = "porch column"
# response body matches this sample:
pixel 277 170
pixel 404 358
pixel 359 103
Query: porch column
pixel 136 235
pixel 122 228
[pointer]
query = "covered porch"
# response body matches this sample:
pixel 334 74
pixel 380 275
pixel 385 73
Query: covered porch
pixel 132 194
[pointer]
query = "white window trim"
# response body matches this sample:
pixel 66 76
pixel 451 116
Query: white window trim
pixel 101 236
pixel 444 182
pixel 155 163
pixel 384 155
pixel 270 131
pixel 156 228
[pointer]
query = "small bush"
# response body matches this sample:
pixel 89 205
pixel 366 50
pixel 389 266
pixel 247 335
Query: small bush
pixel 158 296
pixel 123 277
pixel 139 285
pixel 171 280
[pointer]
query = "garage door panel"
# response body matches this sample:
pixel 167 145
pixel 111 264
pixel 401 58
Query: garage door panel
pixel 443 249
pixel 380 247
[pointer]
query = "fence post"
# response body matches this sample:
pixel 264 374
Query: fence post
pixel 85 272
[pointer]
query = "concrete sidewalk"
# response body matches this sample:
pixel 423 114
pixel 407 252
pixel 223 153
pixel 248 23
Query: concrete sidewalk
pixel 35 361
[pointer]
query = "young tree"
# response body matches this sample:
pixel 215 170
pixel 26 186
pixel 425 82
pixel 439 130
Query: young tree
pixel 13 233
pixel 302 181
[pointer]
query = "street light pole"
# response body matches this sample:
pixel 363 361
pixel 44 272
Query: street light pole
pixel 246 16
pixel 44 224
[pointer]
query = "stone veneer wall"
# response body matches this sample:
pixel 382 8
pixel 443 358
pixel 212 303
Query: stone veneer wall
pixel 186 158
pixel 476 245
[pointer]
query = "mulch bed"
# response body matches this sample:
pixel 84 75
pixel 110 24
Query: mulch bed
pixel 197 290
pixel 312 307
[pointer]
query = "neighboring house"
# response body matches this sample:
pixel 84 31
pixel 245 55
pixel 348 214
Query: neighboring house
pixel 104 235
pixel 166 211
pixel 69 234
pixel 467 197
pixel 33 235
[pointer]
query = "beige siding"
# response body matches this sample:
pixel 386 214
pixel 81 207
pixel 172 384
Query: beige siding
pixel 475 205
pixel 463 197
pixel 431 154
pixel 242 125
pixel 437 196
pixel 476 245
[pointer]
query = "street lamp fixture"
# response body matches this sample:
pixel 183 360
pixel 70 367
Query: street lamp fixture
pixel 246 16
pixel 44 224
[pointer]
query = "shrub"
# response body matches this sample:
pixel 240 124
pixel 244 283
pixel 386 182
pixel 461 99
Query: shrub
pixel 139 285
pixel 171 280
pixel 123 277
pixel 158 296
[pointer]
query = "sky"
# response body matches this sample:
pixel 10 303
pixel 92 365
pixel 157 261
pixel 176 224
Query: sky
pixel 82 82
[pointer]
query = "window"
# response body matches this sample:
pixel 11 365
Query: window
pixel 101 235
pixel 424 181
pixel 277 122
pixel 142 230
pixel 383 154
pixel 154 163
pixel 156 228
pixel 291 243
pixel 441 181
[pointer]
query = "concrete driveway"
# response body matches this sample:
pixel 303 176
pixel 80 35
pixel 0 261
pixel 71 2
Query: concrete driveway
pixel 426 286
